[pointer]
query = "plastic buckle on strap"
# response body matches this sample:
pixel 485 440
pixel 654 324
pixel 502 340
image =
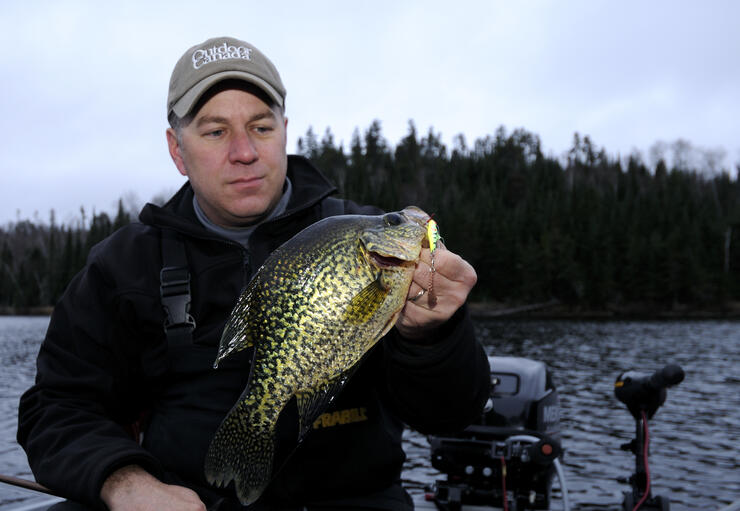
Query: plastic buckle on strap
pixel 175 293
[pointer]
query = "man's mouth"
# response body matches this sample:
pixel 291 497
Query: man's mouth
pixel 246 181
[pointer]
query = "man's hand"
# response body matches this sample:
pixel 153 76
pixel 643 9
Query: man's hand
pixel 133 488
pixel 448 286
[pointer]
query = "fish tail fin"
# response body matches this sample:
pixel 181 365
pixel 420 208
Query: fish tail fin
pixel 242 452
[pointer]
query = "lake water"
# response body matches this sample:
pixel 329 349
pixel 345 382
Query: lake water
pixel 694 437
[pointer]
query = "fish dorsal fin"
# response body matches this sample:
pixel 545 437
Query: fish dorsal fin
pixel 363 306
pixel 237 332
pixel 312 402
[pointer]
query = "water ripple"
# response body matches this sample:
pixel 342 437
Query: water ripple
pixel 694 456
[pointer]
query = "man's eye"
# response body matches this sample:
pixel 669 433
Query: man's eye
pixel 215 133
pixel 263 129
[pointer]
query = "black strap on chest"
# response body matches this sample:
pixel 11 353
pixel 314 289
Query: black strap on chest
pixel 174 281
pixel 174 288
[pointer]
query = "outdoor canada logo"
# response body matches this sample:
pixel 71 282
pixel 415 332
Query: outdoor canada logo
pixel 221 52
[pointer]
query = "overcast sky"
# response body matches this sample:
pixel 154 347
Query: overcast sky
pixel 84 84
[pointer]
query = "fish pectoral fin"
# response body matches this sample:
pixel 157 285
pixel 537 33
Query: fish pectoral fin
pixel 312 402
pixel 363 306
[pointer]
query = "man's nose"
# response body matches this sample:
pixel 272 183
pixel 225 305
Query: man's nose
pixel 242 149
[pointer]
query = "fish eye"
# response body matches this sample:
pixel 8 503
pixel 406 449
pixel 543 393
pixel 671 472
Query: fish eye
pixel 392 219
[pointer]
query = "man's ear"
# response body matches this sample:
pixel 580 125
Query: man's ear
pixel 176 151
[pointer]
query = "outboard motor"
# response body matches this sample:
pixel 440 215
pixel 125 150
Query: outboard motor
pixel 509 457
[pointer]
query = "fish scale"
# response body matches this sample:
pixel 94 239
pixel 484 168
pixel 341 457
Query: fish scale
pixel 316 306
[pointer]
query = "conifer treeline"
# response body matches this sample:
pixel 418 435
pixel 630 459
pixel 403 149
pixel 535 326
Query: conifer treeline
pixel 591 231
pixel 38 260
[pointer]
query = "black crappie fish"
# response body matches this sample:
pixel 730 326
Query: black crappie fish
pixel 315 307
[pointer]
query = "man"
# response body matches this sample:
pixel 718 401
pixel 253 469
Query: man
pixel 107 359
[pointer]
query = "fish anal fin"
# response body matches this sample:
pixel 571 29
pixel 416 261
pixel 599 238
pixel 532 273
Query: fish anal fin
pixel 364 305
pixel 312 402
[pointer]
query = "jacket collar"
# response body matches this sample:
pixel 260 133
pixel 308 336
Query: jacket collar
pixel 309 187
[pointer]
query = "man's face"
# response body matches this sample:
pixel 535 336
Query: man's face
pixel 233 152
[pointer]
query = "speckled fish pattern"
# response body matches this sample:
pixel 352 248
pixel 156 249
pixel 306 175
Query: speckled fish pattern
pixel 313 309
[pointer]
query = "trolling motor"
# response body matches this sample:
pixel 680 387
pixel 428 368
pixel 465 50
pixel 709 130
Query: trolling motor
pixel 643 394
pixel 508 458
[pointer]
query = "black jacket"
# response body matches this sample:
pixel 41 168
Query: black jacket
pixel 105 360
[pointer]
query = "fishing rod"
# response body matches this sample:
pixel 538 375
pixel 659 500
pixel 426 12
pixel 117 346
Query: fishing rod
pixel 26 484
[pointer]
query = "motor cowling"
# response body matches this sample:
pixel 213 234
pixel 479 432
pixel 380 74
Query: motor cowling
pixel 513 445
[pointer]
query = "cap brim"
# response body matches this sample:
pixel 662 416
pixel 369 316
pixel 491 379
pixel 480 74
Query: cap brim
pixel 184 105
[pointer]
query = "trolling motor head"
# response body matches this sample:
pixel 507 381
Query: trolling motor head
pixel 642 392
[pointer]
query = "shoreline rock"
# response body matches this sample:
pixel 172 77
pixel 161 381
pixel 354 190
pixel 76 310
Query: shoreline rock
pixel 643 311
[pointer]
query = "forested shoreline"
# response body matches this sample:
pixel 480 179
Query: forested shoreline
pixel 589 231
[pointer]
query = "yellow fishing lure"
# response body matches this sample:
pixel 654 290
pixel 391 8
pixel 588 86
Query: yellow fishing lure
pixel 433 235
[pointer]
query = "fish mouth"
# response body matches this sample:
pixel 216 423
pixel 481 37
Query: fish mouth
pixel 382 261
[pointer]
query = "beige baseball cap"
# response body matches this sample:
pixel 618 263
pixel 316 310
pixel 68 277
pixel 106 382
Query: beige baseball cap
pixel 217 59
